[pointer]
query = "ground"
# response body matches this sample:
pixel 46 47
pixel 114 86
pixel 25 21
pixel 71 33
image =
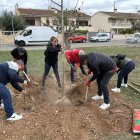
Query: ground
pixel 43 119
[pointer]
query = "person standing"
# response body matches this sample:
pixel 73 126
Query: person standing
pixel 8 74
pixel 51 60
pixel 125 66
pixel 20 53
pixel 72 57
pixel 103 68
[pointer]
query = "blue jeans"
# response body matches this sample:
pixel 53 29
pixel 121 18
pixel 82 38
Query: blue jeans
pixel 72 71
pixel 7 101
pixel 46 72
pixel 123 74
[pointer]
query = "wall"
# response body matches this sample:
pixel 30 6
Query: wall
pixel 100 23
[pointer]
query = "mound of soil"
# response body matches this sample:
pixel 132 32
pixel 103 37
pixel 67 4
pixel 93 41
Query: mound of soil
pixel 43 119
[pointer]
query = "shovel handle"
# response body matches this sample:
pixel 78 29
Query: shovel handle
pixel 86 93
pixel 26 76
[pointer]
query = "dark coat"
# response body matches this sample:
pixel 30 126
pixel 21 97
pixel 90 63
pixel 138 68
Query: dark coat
pixel 51 53
pixel 99 64
pixel 8 75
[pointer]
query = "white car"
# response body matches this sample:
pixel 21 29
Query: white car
pixel 133 39
pixel 35 35
pixel 100 37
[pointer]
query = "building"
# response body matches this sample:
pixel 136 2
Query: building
pixel 39 17
pixel 113 21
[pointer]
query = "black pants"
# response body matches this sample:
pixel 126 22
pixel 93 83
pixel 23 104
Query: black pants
pixel 46 72
pixel 102 82
pixel 123 74
pixel 72 71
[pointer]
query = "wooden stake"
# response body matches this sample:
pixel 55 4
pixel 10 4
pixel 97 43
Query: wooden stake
pixel 137 84
pixel 134 88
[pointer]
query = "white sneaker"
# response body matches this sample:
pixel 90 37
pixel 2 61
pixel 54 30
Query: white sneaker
pixel 104 106
pixel 1 105
pixel 124 85
pixel 97 97
pixel 15 117
pixel 116 90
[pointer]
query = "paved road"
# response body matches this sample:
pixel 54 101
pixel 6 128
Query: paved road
pixel 73 45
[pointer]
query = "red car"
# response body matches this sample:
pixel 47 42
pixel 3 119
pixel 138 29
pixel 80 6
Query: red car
pixel 77 38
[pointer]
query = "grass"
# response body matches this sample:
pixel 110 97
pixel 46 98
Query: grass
pixel 36 63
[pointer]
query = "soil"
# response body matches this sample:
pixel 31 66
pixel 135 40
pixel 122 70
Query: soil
pixel 80 120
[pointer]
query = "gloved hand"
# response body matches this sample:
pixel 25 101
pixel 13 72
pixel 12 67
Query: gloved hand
pixel 89 72
pixel 88 83
pixel 74 68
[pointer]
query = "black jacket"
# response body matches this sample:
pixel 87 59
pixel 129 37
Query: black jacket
pixel 8 75
pixel 99 63
pixel 121 62
pixel 15 55
pixel 51 53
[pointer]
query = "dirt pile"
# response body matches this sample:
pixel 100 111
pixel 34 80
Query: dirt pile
pixel 50 122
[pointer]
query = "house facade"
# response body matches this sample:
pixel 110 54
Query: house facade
pixel 38 17
pixel 113 21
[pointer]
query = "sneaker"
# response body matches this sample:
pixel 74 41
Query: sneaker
pixel 1 105
pixel 116 90
pixel 124 85
pixel 97 97
pixel 15 117
pixel 104 106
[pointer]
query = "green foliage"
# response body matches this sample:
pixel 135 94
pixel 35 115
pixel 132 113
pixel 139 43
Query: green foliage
pixel 137 25
pixel 127 31
pixel 79 32
pixel 6 21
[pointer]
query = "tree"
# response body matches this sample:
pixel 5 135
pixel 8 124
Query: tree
pixel 69 26
pixel 137 25
pixel 6 20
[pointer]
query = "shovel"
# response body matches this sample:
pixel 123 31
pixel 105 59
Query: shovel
pixel 28 79
pixel 86 94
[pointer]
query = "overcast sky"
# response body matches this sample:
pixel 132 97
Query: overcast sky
pixel 87 6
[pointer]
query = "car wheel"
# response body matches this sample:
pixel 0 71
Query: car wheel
pixel 21 43
pixel 70 41
pixel 97 40
pixel 84 41
pixel 107 40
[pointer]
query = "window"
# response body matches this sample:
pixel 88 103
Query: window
pixel 27 33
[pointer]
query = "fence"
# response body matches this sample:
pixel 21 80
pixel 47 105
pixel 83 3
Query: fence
pixel 7 37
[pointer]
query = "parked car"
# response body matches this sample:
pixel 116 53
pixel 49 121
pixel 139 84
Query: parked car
pixel 35 35
pixel 135 38
pixel 77 38
pixel 100 37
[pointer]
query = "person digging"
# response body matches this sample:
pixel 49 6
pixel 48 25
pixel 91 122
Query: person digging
pixel 103 68
pixel 8 74
pixel 20 53
pixel 72 57
pixel 125 66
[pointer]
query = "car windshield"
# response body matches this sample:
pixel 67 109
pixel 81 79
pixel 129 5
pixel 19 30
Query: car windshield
pixel 22 32
pixel 136 35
